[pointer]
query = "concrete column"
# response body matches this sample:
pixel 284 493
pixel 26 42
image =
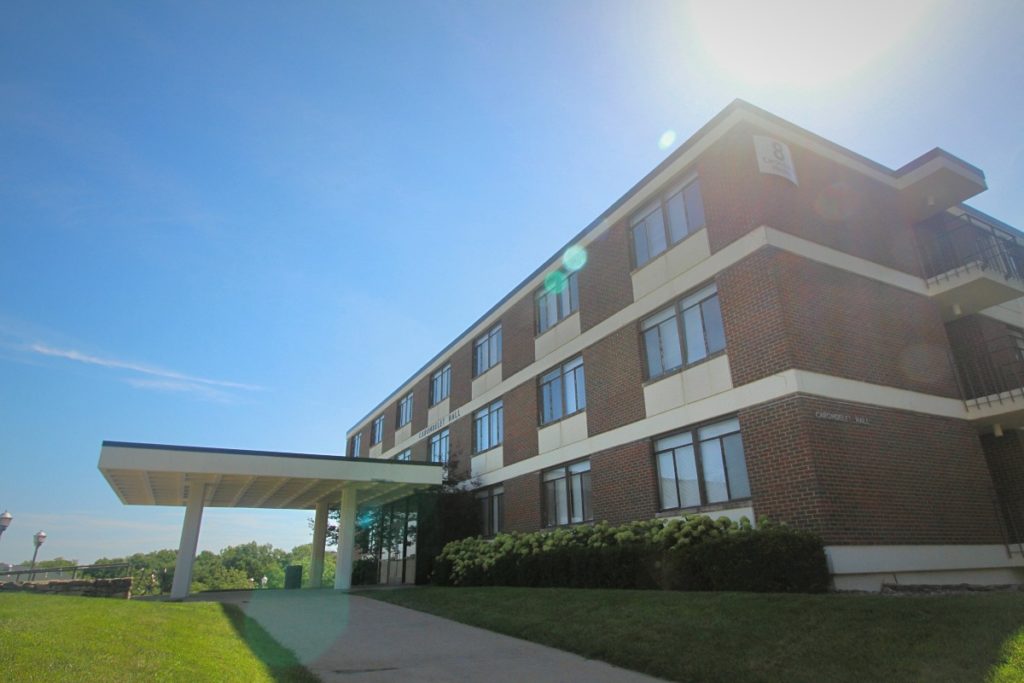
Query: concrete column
pixel 189 541
pixel 346 540
pixel 316 565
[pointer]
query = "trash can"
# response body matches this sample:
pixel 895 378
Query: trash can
pixel 293 576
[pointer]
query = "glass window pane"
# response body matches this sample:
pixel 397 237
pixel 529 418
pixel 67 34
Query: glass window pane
pixel 556 473
pixel 736 467
pixel 713 324
pixel 484 515
pixel 695 350
pixel 640 245
pixel 694 206
pixel 496 347
pixel 550 506
pixel 655 232
pixel 652 349
pixel 588 512
pixel 686 469
pixel 671 353
pixel 543 322
pixel 720 428
pixel 577 467
pixel 561 501
pixel 574 292
pixel 499 512
pixel 676 217
pixel 658 318
pixel 698 296
pixel 571 404
pixel 714 471
pixel 552 397
pixel 581 389
pixel 576 482
pixel 667 481
pixel 674 441
pixel 497 426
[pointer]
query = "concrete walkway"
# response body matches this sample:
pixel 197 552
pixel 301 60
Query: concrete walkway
pixel 345 637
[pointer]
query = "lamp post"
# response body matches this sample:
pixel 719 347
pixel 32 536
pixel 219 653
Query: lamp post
pixel 38 539
pixel 5 521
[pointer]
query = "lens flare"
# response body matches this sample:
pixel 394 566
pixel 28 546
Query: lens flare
pixel 555 282
pixel 667 139
pixel 574 258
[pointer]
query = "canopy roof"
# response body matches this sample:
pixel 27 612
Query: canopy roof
pixel 155 474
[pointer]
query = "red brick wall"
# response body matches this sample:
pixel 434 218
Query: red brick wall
pixel 462 375
pixel 420 403
pixel 1005 457
pixel 520 411
pixel 833 205
pixel 522 503
pixel 460 434
pixel 517 332
pixel 614 381
pixel 421 451
pixel 390 420
pixel 905 478
pixel 604 282
pixel 624 483
pixel 833 322
pixel 365 450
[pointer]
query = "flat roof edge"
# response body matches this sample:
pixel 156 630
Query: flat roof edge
pixel 241 451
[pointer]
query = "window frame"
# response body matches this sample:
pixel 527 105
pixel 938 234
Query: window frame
pixel 697 445
pixel 404 456
pixel 377 430
pixel 678 313
pixel 491 340
pixel 437 437
pixel 579 391
pixel 572 286
pixel 357 445
pixel 444 378
pixel 405 410
pixel 486 415
pixel 493 500
pixel 661 204
pixel 549 519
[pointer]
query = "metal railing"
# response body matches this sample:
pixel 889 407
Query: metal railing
pixel 968 244
pixel 92 571
pixel 993 373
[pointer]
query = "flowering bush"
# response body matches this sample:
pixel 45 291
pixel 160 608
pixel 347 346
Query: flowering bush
pixel 641 554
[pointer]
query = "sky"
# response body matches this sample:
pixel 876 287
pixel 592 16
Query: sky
pixel 243 225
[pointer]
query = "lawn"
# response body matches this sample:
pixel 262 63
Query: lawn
pixel 58 638
pixel 751 637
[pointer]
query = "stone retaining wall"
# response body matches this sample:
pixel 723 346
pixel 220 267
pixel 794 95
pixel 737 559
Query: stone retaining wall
pixel 98 588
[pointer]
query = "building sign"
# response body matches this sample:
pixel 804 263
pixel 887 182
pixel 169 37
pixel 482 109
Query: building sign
pixel 842 417
pixel 448 419
pixel 774 157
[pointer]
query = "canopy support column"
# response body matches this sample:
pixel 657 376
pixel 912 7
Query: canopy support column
pixel 189 541
pixel 316 564
pixel 346 539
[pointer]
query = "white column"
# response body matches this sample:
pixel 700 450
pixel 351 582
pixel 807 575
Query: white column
pixel 189 541
pixel 346 540
pixel 316 565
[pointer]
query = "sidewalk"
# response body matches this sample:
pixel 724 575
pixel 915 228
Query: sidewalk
pixel 346 637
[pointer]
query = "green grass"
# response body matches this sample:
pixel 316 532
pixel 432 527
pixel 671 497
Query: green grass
pixel 749 637
pixel 58 638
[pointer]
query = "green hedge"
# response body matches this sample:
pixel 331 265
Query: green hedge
pixel 691 553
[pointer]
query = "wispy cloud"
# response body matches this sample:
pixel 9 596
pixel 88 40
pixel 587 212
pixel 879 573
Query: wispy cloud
pixel 155 378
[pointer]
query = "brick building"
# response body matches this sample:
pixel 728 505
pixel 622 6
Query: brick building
pixel 766 324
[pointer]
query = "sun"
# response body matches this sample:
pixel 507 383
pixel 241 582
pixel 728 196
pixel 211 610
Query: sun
pixel 801 43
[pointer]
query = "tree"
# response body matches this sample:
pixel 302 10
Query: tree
pixel 257 561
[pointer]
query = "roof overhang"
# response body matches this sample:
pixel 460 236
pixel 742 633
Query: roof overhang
pixel 154 474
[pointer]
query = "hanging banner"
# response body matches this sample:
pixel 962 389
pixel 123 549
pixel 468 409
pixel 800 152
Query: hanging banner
pixel 774 157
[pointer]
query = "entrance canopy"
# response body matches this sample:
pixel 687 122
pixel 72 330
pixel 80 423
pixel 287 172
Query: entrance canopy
pixel 153 474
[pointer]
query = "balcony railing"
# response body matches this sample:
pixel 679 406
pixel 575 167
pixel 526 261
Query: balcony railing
pixel 968 244
pixel 993 373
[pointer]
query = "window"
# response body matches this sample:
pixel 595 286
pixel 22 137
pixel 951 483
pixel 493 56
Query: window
pixel 404 456
pixel 702 466
pixel 492 510
pixel 377 432
pixel 553 306
pixel 697 320
pixel 405 410
pixel 487 351
pixel 488 427
pixel 567 494
pixel 439 447
pixel 652 234
pixel 440 385
pixel 357 445
pixel 562 392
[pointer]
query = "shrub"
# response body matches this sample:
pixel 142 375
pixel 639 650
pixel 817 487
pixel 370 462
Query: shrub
pixel 690 553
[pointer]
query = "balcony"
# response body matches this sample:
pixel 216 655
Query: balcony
pixel 969 265
pixel 992 382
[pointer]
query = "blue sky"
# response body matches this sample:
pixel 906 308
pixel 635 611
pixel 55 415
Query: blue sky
pixel 242 225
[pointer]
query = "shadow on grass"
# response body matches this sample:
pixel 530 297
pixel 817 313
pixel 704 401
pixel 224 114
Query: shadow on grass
pixel 280 661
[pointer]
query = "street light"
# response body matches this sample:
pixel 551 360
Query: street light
pixel 38 539
pixel 5 521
